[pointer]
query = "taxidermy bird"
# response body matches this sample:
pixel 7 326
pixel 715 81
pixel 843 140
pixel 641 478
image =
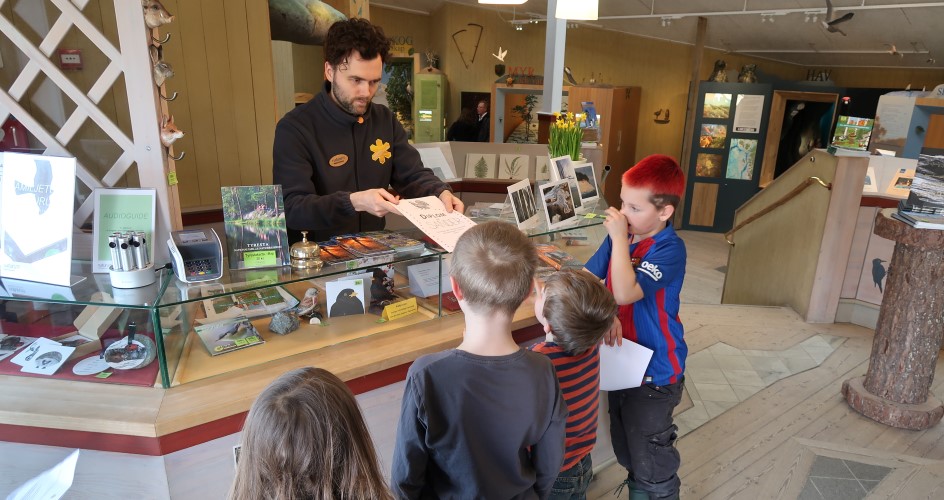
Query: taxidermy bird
pixel 719 74
pixel 878 273
pixel 41 185
pixel 308 307
pixel 830 24
pixel 570 76
pixel 894 50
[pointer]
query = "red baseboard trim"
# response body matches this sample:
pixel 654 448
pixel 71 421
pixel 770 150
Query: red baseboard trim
pixel 875 201
pixel 119 443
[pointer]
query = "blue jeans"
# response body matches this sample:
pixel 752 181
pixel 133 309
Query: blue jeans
pixel 572 483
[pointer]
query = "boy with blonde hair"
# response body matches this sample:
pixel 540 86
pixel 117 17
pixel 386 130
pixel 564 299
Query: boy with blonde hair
pixel 484 420
pixel 643 262
pixel 575 311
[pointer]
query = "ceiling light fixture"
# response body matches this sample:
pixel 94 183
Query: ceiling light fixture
pixel 581 10
pixel 666 21
pixel 503 2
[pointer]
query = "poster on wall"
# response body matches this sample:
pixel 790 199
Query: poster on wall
pixel 713 135
pixel 748 114
pixel 717 106
pixel 708 165
pixel 741 156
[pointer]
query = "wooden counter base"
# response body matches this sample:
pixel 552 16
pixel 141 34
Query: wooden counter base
pixel 153 421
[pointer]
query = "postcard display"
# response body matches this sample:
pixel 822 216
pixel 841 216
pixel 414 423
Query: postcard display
pixel 726 154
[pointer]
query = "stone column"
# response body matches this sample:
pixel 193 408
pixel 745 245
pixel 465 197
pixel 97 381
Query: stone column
pixel 895 391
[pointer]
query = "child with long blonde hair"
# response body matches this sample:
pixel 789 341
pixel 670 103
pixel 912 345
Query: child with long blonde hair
pixel 305 437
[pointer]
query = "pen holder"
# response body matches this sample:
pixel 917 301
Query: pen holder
pixel 134 278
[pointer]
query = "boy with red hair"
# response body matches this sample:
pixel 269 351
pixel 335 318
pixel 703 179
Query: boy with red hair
pixel 643 263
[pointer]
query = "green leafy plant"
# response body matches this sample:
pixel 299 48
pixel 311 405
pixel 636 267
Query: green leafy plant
pixel 526 112
pixel 399 99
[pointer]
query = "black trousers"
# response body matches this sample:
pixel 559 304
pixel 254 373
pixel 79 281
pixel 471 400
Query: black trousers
pixel 644 435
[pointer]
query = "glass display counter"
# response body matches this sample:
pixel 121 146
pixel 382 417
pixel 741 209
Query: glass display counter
pixel 193 331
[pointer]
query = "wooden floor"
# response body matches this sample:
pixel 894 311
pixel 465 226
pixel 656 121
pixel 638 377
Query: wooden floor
pixel 764 447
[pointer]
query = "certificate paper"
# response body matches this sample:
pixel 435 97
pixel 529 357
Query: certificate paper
pixel 429 215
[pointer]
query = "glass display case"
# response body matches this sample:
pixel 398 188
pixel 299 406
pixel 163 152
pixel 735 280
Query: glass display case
pixel 171 333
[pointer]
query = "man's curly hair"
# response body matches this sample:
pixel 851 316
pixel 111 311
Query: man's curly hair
pixel 358 34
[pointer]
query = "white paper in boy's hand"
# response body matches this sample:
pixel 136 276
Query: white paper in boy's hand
pixel 623 367
pixel 49 485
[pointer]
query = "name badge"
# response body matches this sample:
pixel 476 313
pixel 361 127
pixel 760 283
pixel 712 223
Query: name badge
pixel 337 160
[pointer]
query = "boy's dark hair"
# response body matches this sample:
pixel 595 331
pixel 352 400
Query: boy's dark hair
pixel 493 264
pixel 578 308
pixel 661 175
pixel 358 34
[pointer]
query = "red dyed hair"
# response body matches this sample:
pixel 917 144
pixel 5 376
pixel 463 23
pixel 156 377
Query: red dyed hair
pixel 661 175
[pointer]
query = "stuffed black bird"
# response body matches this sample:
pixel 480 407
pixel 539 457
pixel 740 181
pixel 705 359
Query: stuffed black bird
pixel 878 273
pixel 830 23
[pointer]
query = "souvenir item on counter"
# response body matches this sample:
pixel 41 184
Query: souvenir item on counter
pixel 228 335
pixel 254 219
pixel 283 323
pixel 92 365
pixel 309 307
pixel 306 254
pixel 131 352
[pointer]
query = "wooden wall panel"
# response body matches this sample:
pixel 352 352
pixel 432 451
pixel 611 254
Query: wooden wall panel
pixel 704 202
pixel 263 83
pixel 222 58
pixel 244 112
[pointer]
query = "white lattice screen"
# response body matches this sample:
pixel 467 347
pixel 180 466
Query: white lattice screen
pixel 131 60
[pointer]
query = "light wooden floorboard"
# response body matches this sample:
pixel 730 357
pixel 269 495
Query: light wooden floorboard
pixel 764 446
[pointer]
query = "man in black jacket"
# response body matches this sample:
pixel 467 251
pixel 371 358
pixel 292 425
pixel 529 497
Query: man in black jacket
pixel 336 155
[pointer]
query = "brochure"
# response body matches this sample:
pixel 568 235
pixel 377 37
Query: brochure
pixel 228 335
pixel 254 218
pixel 251 303
pixel 121 210
pixel 38 194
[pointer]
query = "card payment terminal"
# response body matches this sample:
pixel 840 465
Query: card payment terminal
pixel 196 254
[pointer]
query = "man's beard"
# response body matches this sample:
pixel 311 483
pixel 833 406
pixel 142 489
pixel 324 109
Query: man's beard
pixel 347 106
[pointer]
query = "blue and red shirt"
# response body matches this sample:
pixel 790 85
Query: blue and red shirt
pixel 579 378
pixel 653 321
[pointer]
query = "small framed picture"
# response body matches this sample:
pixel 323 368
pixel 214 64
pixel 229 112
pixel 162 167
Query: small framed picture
pixel 346 297
pixel 586 181
pixel 559 167
pixel 513 166
pixel 558 203
pixel 522 201
pixel 480 166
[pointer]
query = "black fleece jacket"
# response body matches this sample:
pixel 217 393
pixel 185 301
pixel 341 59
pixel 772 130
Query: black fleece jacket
pixel 322 154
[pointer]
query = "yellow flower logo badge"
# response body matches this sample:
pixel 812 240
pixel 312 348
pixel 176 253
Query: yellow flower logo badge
pixel 381 151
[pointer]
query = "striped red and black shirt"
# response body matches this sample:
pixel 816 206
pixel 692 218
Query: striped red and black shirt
pixel 579 378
